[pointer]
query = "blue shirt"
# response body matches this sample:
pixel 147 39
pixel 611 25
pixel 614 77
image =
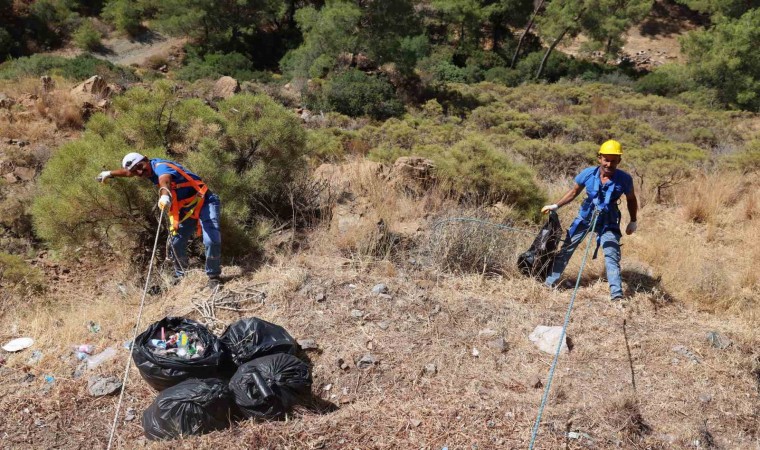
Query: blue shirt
pixel 620 183
pixel 163 169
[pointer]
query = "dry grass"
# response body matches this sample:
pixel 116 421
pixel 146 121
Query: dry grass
pixel 621 386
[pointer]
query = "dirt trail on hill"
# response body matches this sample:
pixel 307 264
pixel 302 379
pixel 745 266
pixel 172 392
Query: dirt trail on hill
pixel 138 51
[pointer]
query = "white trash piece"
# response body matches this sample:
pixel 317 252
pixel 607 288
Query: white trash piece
pixel 546 339
pixel 18 344
pixel 96 360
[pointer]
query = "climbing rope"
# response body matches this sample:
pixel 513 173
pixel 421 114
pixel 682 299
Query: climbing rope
pixel 534 432
pixel 134 334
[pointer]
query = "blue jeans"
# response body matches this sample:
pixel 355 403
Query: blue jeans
pixel 212 238
pixel 610 243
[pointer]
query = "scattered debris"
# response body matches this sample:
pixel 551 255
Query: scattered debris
pixel 546 339
pixel 578 435
pixel 93 327
pixel 35 358
pixel 499 344
pixel 99 386
pixel 18 344
pixel 366 362
pixel 308 344
pixel 343 364
pixel 100 358
pixel 383 325
pixel 320 297
pixel 487 333
pixel 49 379
pixel 705 398
pixel 415 422
pixel 129 415
pixel 183 345
pixel 718 341
pixel 380 289
pixel 358 313
pixel 385 296
pixel 327 387
pixel 682 350
pixel 83 351
pixel 475 352
pixel 430 370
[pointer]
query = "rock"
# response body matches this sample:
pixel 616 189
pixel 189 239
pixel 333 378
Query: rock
pixel 383 325
pixel 342 364
pixel 5 101
pixel 535 382
pixel 24 173
pixel 546 339
pixel 415 422
pixel 95 86
pixel 99 386
pixel 705 398
pixel 366 362
pixel 225 87
pixel 358 313
pixel 163 68
pixel 129 415
pixel 320 297
pixel 499 344
pixel 430 370
pixel 308 344
pixel 380 288
pixel 682 350
pixel 385 296
pixel 718 341
pixel 475 352
pixel 10 178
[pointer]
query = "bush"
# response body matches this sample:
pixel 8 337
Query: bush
pixel 87 37
pixel 747 160
pixel 215 65
pixel 18 276
pixel 667 81
pixel 78 68
pixel 355 94
pixel 248 153
pixel 125 15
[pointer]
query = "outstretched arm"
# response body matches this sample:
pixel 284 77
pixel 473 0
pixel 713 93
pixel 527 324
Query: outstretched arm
pixel 633 209
pixel 106 174
pixel 567 198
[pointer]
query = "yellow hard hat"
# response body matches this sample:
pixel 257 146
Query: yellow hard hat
pixel 611 147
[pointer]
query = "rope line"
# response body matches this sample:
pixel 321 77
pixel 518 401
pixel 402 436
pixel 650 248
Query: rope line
pixel 134 335
pixel 534 432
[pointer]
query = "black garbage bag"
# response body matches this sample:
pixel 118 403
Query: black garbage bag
pixel 252 337
pixel 162 372
pixel 191 407
pixel 538 260
pixel 268 387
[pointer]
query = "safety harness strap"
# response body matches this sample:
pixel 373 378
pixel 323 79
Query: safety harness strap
pixel 192 205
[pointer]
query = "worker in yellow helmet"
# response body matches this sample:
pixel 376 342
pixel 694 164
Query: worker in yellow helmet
pixel 604 185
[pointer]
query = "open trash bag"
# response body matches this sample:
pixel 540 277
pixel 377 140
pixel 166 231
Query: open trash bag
pixel 192 407
pixel 252 337
pixel 268 387
pixel 200 356
pixel 538 260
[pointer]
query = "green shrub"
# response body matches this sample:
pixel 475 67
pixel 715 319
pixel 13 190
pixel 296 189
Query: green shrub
pixel 662 165
pixel 355 94
pixel 248 153
pixel 667 80
pixel 747 160
pixel 78 68
pixel 87 37
pixel 125 15
pixel 18 276
pixel 215 65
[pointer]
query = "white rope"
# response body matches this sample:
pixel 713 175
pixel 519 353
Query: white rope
pixel 134 335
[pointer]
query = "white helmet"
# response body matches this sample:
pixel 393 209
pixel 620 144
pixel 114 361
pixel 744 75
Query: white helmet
pixel 131 159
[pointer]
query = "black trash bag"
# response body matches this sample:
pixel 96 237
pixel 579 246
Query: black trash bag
pixel 192 407
pixel 538 260
pixel 252 337
pixel 162 372
pixel 269 387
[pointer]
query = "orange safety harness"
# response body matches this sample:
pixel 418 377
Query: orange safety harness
pixel 193 204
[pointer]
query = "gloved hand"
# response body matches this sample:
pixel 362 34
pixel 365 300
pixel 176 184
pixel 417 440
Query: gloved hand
pixel 631 228
pixel 104 175
pixel 164 202
pixel 547 208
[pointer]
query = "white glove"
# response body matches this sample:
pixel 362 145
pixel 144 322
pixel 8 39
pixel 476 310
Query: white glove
pixel 164 202
pixel 547 208
pixel 631 228
pixel 106 174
